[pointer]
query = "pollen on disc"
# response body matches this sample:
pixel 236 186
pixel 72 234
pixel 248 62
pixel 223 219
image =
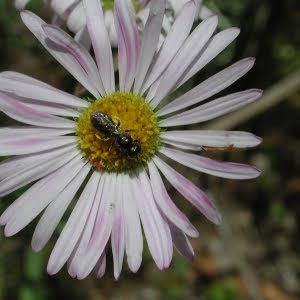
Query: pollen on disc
pixel 134 116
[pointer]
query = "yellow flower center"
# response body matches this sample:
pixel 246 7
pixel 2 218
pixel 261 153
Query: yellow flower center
pixel 109 4
pixel 123 114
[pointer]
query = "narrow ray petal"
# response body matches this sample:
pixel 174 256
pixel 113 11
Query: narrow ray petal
pixel 128 43
pixel 166 205
pixel 80 54
pixel 56 209
pixel 184 58
pixel 118 232
pixel 212 138
pixel 76 223
pixel 189 191
pixel 102 229
pixel 216 45
pixel 28 87
pixel 22 113
pixel 174 40
pixel 213 109
pixel 209 87
pixel 31 203
pixel 210 166
pixel 34 24
pixel 36 171
pixel 100 42
pixel 19 146
pixel 76 259
pixel 150 41
pixel 182 243
pixel 133 230
pixel 156 229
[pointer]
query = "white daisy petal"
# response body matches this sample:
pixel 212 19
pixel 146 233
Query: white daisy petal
pixel 56 209
pixel 118 232
pixel 49 108
pixel 100 266
pixel 216 45
pixel 31 203
pixel 132 224
pixel 33 89
pixel 189 191
pixel 44 165
pixel 182 243
pixel 76 50
pixel 27 115
pixel 76 259
pixel 212 138
pixel 184 58
pixel 20 163
pixel 211 166
pixel 17 146
pixel 213 109
pixel 209 87
pixel 174 40
pixel 128 43
pixel 7 133
pixel 150 40
pixel 34 24
pixel 166 205
pixel 102 229
pixel 77 221
pixel 156 229
pixel 100 42
pixel 182 145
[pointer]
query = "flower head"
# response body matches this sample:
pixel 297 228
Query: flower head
pixel 71 141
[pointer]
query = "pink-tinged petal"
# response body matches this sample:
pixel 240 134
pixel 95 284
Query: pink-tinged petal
pixel 37 170
pixel 33 89
pixel 167 206
pixel 101 43
pixel 56 209
pixel 213 109
pixel 102 229
pixel 215 46
pixel 13 165
pixel 174 40
pixel 49 108
pixel 80 54
pixel 209 87
pixel 34 24
pixel 25 114
pixel 182 145
pixel 18 146
pixel 211 166
pixel 76 259
pixel 118 231
pixel 182 243
pixel 128 43
pixel 150 40
pixel 7 133
pixel 33 201
pixel 133 230
pixel 100 267
pixel 184 59
pixel 212 138
pixel 189 191
pixel 156 229
pixel 72 231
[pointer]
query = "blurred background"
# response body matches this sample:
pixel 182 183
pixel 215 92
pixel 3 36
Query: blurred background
pixel 254 253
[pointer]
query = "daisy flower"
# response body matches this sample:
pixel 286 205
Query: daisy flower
pixel 115 146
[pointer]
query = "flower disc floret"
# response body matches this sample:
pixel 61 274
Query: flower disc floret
pixel 134 116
